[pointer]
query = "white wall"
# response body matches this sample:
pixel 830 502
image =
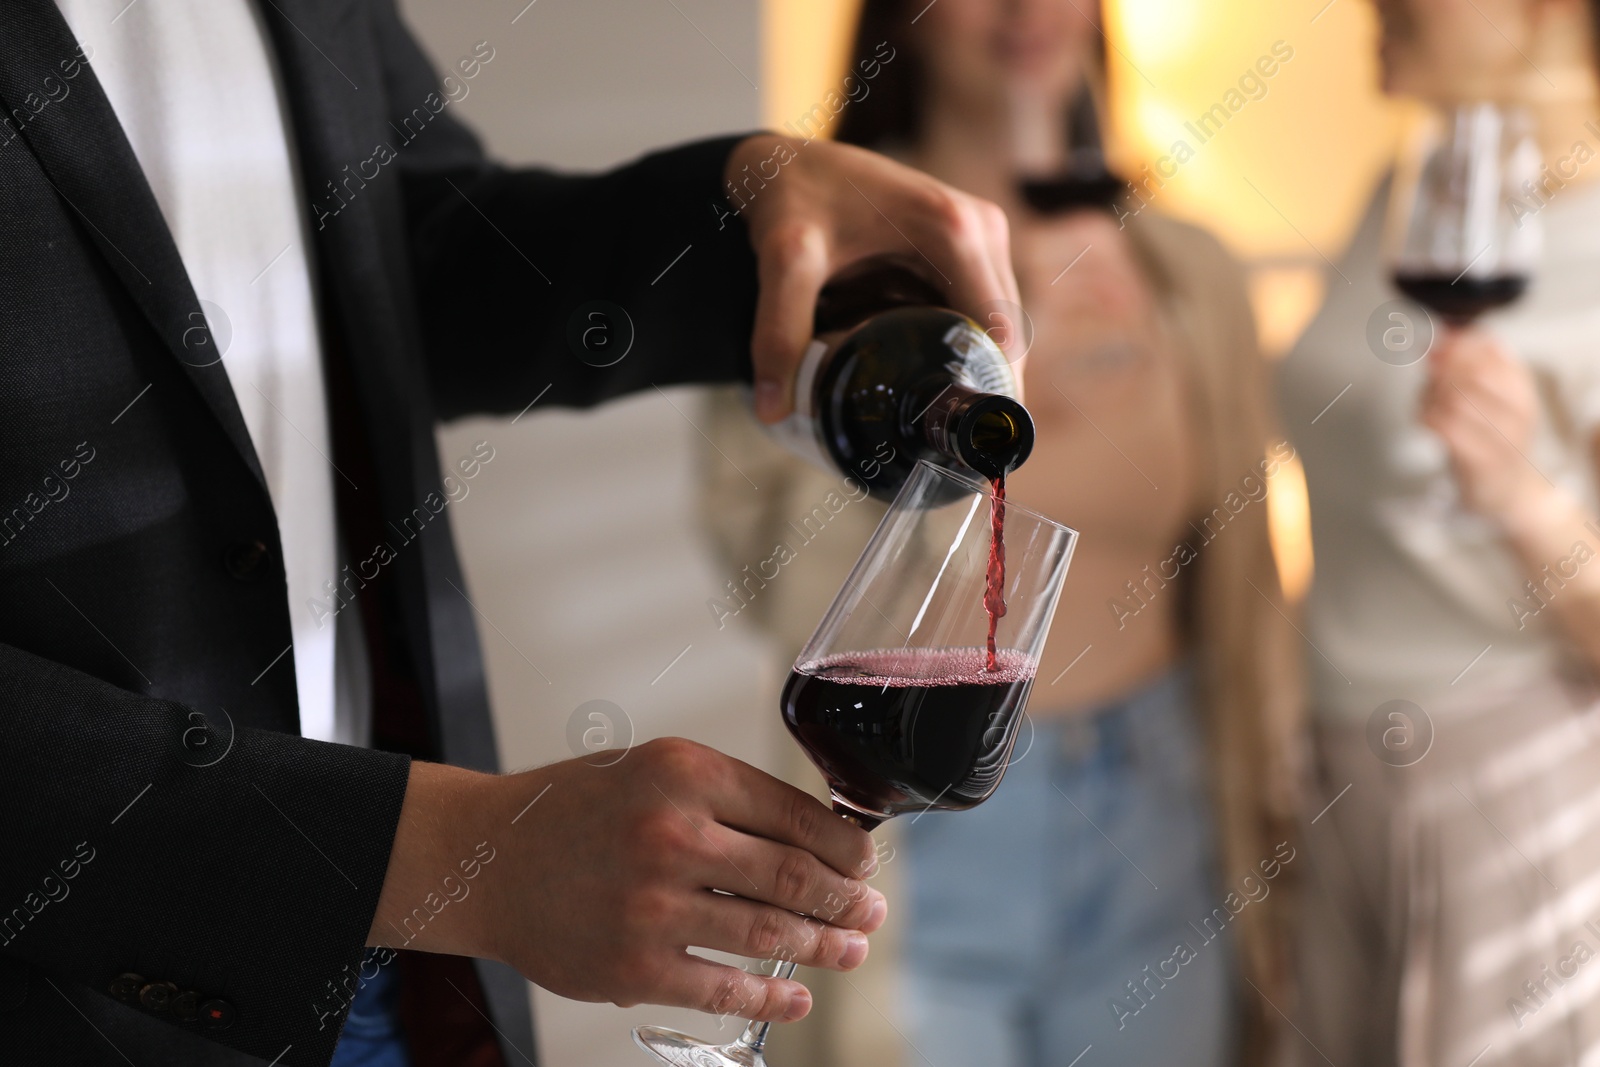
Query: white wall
pixel 577 539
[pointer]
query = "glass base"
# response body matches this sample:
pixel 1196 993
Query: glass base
pixel 681 1050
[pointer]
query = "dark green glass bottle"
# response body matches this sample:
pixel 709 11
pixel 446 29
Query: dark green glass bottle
pixel 893 378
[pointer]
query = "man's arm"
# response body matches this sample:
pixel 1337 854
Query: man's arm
pixel 526 279
pixel 594 286
pixel 252 867
pixel 510 265
pixel 143 838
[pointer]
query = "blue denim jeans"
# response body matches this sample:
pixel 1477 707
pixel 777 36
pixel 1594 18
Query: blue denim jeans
pixel 372 1035
pixel 1030 915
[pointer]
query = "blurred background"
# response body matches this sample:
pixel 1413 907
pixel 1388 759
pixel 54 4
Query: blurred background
pixel 579 541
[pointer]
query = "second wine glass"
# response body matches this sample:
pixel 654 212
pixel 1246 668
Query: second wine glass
pixel 1463 237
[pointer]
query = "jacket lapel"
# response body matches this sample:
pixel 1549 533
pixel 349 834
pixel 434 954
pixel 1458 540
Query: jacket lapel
pixel 335 98
pixel 336 102
pixel 81 148
pixel 339 104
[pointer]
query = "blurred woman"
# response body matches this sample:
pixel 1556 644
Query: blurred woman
pixel 1124 887
pixel 1454 624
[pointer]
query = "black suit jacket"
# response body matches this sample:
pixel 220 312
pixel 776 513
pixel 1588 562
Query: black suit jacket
pixel 163 816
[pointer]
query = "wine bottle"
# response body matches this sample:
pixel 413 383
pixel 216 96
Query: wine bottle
pixel 892 378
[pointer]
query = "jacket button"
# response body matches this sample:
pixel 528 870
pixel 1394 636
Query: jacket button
pixel 246 561
pixel 216 1014
pixel 186 1006
pixel 157 996
pixel 125 987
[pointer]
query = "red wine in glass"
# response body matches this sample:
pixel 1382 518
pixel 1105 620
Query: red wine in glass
pixel 909 730
pixel 1461 300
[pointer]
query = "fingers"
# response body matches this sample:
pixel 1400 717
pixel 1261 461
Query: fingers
pixel 1448 417
pixel 1459 417
pixel 1468 352
pixel 1015 341
pixel 968 241
pixel 702 793
pixel 792 265
pixel 763 932
pixel 792 879
pixel 999 230
pixel 692 982
pixel 759 804
pixel 1482 403
pixel 723 824
pixel 1474 371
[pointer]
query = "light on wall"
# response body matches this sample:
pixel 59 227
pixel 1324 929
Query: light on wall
pixel 803 51
pixel 1276 102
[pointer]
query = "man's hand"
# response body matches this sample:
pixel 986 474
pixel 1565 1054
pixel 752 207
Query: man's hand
pixel 1482 402
pixel 601 877
pixel 815 208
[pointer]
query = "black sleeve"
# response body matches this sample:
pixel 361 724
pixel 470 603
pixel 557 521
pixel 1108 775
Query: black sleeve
pixel 511 265
pixel 244 865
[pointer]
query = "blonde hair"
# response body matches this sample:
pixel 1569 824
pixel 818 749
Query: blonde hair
pixel 1235 614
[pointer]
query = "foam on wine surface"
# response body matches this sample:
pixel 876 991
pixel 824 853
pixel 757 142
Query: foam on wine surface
pixel 897 668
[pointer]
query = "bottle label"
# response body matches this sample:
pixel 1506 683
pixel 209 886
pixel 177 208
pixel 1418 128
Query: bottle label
pixel 798 432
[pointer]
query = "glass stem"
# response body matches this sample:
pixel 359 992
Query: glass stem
pixel 755 1035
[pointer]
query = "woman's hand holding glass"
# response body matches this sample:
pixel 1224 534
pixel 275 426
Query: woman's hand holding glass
pixel 1482 402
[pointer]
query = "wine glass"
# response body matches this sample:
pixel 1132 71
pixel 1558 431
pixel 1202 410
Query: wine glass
pixel 1057 175
pixel 1462 238
pixel 1463 232
pixel 910 692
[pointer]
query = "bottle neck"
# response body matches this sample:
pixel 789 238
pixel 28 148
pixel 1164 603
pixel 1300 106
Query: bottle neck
pixel 988 432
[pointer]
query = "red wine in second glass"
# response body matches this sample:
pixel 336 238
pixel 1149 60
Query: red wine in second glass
pixel 1460 300
pixel 1079 190
pixel 909 730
